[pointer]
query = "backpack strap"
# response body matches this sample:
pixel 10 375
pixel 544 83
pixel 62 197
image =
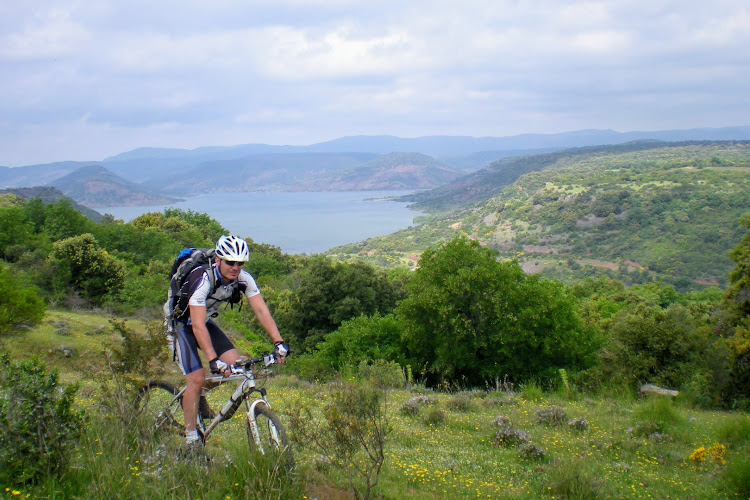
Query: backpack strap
pixel 181 294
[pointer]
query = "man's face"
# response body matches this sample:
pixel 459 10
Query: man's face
pixel 227 271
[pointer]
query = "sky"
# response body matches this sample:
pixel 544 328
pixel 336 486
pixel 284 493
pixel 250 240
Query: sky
pixel 84 80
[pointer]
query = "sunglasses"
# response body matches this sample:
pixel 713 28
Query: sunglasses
pixel 232 263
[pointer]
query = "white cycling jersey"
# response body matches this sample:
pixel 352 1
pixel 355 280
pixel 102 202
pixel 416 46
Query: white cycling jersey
pixel 199 289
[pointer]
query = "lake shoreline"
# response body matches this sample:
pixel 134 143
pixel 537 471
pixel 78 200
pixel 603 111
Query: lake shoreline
pixel 304 222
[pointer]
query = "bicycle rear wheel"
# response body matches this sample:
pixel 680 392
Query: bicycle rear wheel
pixel 271 437
pixel 157 400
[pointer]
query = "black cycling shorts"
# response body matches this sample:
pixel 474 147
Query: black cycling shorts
pixel 186 347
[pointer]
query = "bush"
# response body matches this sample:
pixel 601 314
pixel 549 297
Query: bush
pixel 352 435
pixel 19 304
pixel 461 402
pixel 656 416
pixel 571 479
pixel 734 430
pixel 364 338
pixel 737 476
pixel 412 406
pixel 553 415
pixel 435 417
pixel 81 264
pixel 382 374
pixel 531 391
pixel 40 425
pixel 145 354
pixel 507 436
pixel 531 451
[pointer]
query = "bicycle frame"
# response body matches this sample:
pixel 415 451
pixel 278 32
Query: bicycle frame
pixel 241 393
pixel 243 372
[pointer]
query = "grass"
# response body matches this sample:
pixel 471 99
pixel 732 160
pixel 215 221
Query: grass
pixel 631 448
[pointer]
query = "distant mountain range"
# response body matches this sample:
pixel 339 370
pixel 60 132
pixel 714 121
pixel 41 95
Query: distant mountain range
pixel 148 176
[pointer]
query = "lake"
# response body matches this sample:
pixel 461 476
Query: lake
pixel 296 222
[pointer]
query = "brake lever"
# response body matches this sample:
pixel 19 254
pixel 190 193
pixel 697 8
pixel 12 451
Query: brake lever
pixel 269 359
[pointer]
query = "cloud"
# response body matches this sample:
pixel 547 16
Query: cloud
pixel 89 79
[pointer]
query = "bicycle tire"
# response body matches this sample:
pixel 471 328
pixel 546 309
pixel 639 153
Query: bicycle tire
pixel 273 437
pixel 156 401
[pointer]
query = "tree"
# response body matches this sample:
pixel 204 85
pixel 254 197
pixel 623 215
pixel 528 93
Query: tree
pixel 19 304
pixel 737 299
pixel 80 263
pixel 209 228
pixel 736 323
pixel 469 318
pixel 15 229
pixel 328 294
pixel 61 220
pixel 651 344
pixel 179 227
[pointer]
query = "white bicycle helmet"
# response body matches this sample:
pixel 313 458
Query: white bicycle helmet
pixel 232 248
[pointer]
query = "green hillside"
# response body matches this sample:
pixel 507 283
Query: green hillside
pixel 639 211
pixel 49 194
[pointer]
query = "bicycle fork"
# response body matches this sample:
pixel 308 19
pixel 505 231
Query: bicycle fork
pixel 253 425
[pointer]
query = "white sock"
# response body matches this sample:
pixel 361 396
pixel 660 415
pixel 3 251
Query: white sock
pixel 191 436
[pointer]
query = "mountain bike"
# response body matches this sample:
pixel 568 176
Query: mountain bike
pixel 163 401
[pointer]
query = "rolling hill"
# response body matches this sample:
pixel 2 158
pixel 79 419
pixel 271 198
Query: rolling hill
pixel 95 186
pixel 394 171
pixel 265 172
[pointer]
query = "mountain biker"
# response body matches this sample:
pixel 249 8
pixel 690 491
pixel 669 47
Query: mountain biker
pixel 195 330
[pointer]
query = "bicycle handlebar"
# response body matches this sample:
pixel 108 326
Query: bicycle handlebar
pixel 266 359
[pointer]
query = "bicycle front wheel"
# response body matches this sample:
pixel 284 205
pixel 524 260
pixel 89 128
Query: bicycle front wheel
pixel 158 401
pixel 271 436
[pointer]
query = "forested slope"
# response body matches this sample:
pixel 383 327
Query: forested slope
pixel 638 211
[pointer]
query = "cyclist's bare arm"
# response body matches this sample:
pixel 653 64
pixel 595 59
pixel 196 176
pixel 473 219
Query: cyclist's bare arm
pixel 198 322
pixel 258 304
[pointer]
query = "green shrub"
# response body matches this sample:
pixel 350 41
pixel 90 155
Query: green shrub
pixel 655 417
pixel 573 480
pixel 364 338
pixel 461 402
pixel 40 424
pixel 309 367
pixel 19 304
pixel 470 318
pixel 435 417
pixel 737 476
pixel 351 436
pixel 650 344
pixel 145 354
pixel 531 391
pixel 734 430
pixel 552 415
pixel 382 374
pixel 82 265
